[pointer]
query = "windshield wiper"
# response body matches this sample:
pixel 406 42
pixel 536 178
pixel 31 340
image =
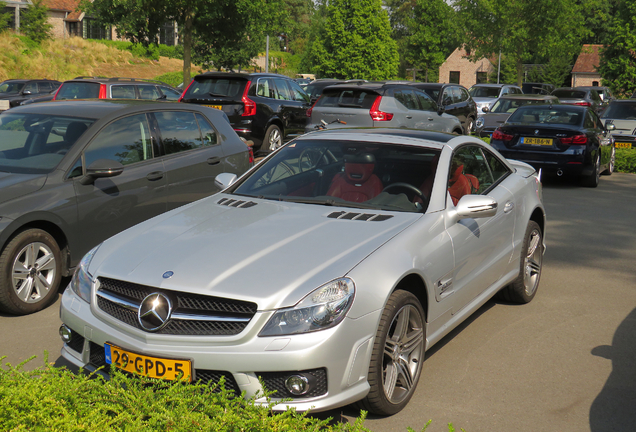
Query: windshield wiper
pixel 330 203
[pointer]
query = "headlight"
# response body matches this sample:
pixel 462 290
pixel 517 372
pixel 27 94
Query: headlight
pixel 323 308
pixel 82 281
pixel 480 122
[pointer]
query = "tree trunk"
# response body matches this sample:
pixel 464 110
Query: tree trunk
pixel 519 71
pixel 187 46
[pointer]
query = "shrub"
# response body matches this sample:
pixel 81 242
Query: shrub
pixel 175 52
pixel 35 21
pixel 172 78
pixel 626 160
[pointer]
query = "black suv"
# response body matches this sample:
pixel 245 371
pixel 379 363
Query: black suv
pixel 455 100
pixel 267 109
pixel 73 173
pixel 116 88
pixel 15 91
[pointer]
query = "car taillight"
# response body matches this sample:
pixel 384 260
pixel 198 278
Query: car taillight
pixel 579 139
pixel 185 91
pixel 308 113
pixel 499 135
pixel 587 104
pixel 249 108
pixel 378 115
pixel 102 91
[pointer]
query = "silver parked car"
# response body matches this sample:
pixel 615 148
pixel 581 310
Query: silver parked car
pixel 326 271
pixel 622 114
pixel 491 118
pixel 485 94
pixel 389 104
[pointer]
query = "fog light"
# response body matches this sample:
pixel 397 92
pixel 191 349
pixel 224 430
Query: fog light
pixel 297 385
pixel 65 333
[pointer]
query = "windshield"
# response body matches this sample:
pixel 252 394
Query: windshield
pixel 347 98
pixel 36 143
pixel 559 114
pixel 569 94
pixel 490 92
pixel 78 90
pixel 11 87
pixel 509 106
pixel 621 111
pixel 216 87
pixel 346 174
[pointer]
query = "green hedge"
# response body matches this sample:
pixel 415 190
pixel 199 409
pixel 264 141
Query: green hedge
pixel 55 399
pixel 626 160
pixel 152 51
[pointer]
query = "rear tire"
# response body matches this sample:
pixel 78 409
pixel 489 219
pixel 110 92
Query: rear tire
pixel 30 272
pixel 273 138
pixel 397 356
pixel 612 164
pixel 592 180
pixel 524 288
pixel 470 125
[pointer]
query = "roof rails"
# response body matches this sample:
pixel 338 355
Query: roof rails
pixel 121 79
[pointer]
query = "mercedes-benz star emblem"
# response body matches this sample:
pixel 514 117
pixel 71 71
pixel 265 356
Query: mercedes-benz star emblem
pixel 154 312
pixel 168 274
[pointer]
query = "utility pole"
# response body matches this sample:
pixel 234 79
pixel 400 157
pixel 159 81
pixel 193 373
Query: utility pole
pixel 267 55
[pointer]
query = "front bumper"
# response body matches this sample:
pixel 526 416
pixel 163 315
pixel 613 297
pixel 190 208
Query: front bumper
pixel 343 352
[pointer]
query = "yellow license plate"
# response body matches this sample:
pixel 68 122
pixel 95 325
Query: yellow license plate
pixel 623 145
pixel 153 367
pixel 219 107
pixel 537 141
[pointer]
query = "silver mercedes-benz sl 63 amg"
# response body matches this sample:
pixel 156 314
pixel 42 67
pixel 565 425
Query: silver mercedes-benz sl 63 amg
pixel 323 274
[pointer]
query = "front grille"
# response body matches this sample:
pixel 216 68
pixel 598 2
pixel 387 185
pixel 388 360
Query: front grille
pixel 203 376
pixel 221 317
pixel 275 381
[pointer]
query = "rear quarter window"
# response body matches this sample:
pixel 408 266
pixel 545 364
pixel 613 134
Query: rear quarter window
pixel 347 98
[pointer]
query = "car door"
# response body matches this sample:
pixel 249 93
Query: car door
pixel 110 205
pixel 430 115
pixel 460 105
pixel 192 155
pixel 299 116
pixel 289 109
pixel 482 247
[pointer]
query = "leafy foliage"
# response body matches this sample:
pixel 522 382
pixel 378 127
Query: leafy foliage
pixel 5 17
pixel 618 57
pixel 34 22
pixel 626 160
pixel 354 41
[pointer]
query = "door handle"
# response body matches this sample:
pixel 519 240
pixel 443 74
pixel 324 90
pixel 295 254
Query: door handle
pixel 155 175
pixel 508 207
pixel 409 117
pixel 214 160
pixel 430 119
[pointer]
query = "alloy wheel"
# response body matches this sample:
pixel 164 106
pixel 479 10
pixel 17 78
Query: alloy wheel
pixel 34 271
pixel 532 264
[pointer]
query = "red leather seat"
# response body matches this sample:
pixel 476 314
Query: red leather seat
pixel 459 185
pixel 357 183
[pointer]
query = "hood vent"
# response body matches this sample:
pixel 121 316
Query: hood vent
pixel 236 203
pixel 359 216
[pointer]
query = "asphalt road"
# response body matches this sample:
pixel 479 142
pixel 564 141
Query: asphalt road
pixel 565 362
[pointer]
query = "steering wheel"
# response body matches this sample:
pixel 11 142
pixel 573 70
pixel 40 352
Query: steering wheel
pixel 406 186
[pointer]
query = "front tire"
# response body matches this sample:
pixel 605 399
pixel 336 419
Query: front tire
pixel 397 356
pixel 273 138
pixel 30 272
pixel 524 288
pixel 612 163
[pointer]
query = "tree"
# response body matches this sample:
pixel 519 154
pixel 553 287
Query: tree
pixel 5 17
pixel 598 16
pixel 618 57
pixel 520 29
pixel 35 22
pixel 354 41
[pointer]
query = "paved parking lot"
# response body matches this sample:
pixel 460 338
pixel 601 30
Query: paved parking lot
pixel 565 362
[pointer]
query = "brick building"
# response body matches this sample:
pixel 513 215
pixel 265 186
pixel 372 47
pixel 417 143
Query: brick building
pixel 584 72
pixel 459 69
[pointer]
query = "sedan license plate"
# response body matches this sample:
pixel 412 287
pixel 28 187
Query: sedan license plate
pixel 150 366
pixel 219 107
pixel 4 105
pixel 623 145
pixel 536 141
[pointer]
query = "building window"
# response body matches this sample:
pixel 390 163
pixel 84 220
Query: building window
pixel 482 77
pixel 168 33
pixel 11 23
pixel 75 28
pixel 595 83
pixel 454 77
pixel 92 29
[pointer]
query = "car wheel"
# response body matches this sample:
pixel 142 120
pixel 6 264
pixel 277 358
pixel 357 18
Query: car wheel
pixel 273 138
pixel 523 289
pixel 397 356
pixel 470 125
pixel 30 272
pixel 593 179
pixel 612 163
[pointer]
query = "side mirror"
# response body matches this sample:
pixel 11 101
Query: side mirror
pixel 440 109
pixel 27 92
pixel 225 180
pixel 476 206
pixel 610 127
pixel 101 168
pixel 485 109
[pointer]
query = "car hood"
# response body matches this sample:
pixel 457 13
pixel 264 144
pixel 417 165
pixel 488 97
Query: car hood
pixel 624 127
pixel 270 252
pixel 16 185
pixel 483 100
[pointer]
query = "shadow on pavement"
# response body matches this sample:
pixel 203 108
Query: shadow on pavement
pixel 614 409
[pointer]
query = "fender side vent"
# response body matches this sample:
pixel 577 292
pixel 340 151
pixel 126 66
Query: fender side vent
pixel 359 216
pixel 236 203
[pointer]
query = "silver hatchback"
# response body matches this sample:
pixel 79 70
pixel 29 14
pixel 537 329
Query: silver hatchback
pixel 379 105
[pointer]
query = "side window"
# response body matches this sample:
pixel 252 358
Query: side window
pixel 44 87
pixel 283 90
pixel 410 100
pixel 473 172
pixel 426 103
pixel 447 96
pixel 207 131
pixel 31 87
pixel 149 92
pixel 179 131
pixel 77 170
pixel 170 93
pixel 123 92
pixel 126 140
pixel 297 92
pixel 265 88
pixel 399 96
pixel 465 95
pixel 497 169
pixel 457 95
pixel 589 121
